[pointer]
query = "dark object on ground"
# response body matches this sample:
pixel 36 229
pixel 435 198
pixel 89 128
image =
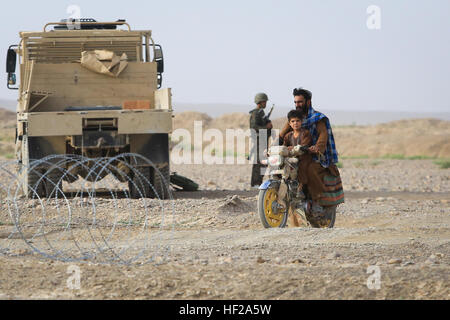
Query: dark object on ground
pixel 182 183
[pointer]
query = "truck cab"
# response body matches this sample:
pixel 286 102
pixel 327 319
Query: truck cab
pixel 91 89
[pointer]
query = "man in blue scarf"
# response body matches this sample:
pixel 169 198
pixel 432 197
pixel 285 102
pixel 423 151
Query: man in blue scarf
pixel 323 149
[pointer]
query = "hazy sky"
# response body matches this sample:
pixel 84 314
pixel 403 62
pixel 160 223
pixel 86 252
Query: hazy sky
pixel 226 51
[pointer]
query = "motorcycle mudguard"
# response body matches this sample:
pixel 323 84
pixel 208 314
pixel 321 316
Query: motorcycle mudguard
pixel 266 184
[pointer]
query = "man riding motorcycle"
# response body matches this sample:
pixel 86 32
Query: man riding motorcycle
pixel 322 174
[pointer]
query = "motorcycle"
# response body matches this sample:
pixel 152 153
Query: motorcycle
pixel 279 196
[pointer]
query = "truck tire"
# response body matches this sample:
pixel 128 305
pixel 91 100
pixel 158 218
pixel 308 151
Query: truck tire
pixel 53 183
pixel 139 186
pixel 35 188
pixel 161 182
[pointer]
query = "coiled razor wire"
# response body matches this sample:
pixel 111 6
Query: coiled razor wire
pixel 98 220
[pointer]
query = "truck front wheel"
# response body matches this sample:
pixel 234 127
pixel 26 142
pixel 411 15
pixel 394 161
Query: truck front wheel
pixel 144 178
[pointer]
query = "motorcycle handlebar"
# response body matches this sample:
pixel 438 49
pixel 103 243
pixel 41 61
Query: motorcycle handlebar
pixel 304 149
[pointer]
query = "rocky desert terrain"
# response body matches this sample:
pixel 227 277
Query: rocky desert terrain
pixel 391 238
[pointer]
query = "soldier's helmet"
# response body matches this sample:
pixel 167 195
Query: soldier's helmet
pixel 261 97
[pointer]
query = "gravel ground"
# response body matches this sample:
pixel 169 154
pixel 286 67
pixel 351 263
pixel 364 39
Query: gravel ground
pixel 396 218
pixel 357 175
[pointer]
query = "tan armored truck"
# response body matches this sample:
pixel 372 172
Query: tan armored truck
pixel 91 89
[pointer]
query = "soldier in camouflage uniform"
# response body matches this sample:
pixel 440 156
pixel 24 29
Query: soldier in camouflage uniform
pixel 258 121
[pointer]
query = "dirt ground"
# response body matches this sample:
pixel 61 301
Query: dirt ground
pixel 395 224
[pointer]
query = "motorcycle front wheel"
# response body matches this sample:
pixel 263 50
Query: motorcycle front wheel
pixel 267 209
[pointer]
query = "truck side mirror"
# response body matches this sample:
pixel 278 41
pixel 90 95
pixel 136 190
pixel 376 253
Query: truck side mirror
pixel 159 58
pixel 160 66
pixel 11 60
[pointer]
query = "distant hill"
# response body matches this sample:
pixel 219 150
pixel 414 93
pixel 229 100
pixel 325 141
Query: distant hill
pixel 8 104
pixel 408 137
pixel 338 118
pixel 7 132
pixel 412 137
pixel 7 116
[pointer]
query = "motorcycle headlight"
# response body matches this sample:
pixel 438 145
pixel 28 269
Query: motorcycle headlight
pixel 275 161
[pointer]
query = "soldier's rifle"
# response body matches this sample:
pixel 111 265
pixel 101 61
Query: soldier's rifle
pixel 267 118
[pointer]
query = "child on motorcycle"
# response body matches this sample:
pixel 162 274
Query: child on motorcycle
pixel 299 136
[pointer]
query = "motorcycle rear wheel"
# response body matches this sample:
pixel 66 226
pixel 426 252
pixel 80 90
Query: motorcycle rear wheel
pixel 328 221
pixel 270 219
